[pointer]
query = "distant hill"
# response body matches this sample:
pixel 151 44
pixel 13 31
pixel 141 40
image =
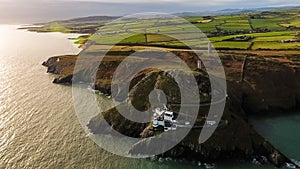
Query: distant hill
pixel 82 20
pixel 103 19
pixel 235 11
pixel 95 19
pixel 271 19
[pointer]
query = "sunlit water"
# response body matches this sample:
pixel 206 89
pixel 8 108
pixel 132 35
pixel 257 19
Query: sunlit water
pixel 38 125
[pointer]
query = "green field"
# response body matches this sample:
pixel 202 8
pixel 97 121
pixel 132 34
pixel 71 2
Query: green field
pixel 269 40
pixel 275 46
pixel 158 38
pixel 294 23
pixel 235 26
pixel 190 43
pixel 257 30
pixel 278 35
pixel 207 27
pixel 232 45
pixel 273 38
pixel 271 24
pixel 52 27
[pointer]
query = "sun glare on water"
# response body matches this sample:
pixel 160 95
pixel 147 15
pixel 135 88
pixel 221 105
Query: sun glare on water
pixel 8 39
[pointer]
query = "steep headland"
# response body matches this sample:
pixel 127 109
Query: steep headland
pixel 258 83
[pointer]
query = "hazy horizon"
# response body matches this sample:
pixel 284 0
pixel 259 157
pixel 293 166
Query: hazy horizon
pixel 33 11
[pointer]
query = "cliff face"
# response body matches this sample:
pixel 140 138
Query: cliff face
pixel 271 86
pixel 269 83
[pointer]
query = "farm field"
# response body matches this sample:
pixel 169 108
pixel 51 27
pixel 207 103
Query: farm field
pixel 253 31
pixel 293 23
pixel 240 41
pixel 271 30
pixel 232 45
pixel 275 46
pixel 270 23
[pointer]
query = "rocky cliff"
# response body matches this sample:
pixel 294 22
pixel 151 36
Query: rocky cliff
pixel 265 84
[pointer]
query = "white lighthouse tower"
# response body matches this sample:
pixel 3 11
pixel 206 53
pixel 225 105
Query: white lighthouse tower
pixel 209 48
pixel 199 64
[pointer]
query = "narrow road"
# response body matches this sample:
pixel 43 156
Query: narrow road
pixel 201 104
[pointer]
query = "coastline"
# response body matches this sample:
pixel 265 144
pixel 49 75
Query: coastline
pixel 65 76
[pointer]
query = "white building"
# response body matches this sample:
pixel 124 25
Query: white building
pixel 211 123
pixel 168 116
pixel 164 118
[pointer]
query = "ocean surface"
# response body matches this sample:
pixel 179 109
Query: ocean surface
pixel 283 131
pixel 39 127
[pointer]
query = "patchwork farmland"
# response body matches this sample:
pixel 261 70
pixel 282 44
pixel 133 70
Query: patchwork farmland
pixel 269 30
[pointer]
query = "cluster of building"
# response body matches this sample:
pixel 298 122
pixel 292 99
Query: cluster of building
pixel 165 119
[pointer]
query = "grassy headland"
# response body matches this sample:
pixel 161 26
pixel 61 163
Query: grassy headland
pixel 260 54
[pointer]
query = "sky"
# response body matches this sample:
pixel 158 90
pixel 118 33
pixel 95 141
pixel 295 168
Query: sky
pixel 34 11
